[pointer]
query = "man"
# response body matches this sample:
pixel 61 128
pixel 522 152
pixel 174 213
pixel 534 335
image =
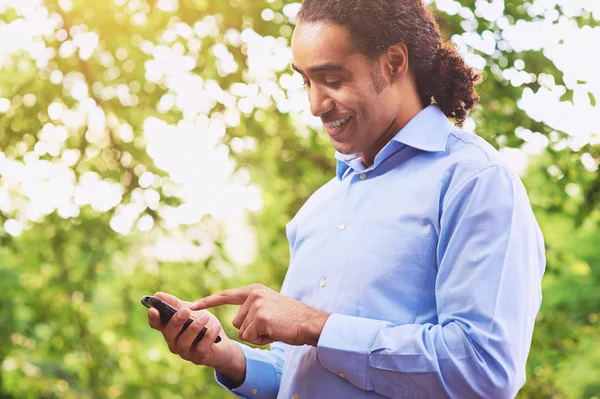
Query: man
pixel 415 272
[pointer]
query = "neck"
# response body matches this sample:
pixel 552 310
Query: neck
pixel 406 95
pixel 368 156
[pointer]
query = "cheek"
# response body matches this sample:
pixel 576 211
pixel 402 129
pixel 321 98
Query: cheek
pixel 361 109
pixel 369 109
pixel 370 114
pixel 381 110
pixel 370 105
pixel 346 101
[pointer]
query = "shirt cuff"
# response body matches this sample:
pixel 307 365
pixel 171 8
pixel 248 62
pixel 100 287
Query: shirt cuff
pixel 262 381
pixel 345 345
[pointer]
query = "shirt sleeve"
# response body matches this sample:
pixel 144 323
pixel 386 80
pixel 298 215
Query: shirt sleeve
pixel 488 292
pixel 263 373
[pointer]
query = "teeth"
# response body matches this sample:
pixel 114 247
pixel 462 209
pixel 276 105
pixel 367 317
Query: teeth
pixel 338 123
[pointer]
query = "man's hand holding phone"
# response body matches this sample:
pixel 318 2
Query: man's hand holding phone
pixel 225 356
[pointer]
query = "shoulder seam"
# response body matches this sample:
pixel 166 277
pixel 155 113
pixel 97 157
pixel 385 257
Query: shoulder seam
pixel 452 133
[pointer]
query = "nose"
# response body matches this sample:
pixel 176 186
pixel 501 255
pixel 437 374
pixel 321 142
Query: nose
pixel 320 102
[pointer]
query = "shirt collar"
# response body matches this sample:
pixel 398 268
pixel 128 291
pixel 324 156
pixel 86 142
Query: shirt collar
pixel 426 131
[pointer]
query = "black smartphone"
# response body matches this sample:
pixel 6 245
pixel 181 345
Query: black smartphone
pixel 167 311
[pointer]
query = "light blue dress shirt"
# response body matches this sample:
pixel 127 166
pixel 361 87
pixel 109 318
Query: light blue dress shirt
pixel 430 262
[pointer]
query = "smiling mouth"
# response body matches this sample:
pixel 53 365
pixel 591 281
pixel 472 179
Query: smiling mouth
pixel 337 124
pixel 337 127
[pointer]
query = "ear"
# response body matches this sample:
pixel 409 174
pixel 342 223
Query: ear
pixel 396 61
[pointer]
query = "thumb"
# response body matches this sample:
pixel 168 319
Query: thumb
pixel 172 300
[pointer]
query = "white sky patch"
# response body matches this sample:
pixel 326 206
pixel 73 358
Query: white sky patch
pixel 87 43
pixel 173 249
pixel 126 216
pixel 577 60
pixel 37 188
pixel 13 227
pixel 516 159
pixel 100 194
pixel 168 5
pixel 450 7
pixel 291 11
pixel 26 33
pixel 192 155
pixel 266 55
pixel 489 9
pixel 485 43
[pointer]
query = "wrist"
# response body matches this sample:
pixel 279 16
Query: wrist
pixel 315 327
pixel 235 370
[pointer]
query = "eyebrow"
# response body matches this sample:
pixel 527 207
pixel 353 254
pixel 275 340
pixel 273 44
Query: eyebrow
pixel 327 67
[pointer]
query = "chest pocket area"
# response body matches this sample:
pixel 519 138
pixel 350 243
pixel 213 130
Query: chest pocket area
pixel 387 273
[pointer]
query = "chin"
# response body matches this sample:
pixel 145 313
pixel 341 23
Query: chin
pixel 344 148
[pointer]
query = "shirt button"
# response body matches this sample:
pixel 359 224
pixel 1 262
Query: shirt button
pixel 254 392
pixel 342 227
pixel 323 282
pixel 342 374
pixel 295 396
pixel 362 176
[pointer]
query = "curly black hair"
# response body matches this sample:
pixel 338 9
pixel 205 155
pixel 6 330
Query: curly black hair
pixel 442 76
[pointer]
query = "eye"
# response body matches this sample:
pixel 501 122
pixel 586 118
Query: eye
pixel 334 84
pixel 306 82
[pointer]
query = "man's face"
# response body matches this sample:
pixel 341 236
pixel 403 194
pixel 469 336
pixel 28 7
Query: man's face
pixel 345 89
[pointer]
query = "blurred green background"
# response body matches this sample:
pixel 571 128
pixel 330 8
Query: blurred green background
pixel 151 145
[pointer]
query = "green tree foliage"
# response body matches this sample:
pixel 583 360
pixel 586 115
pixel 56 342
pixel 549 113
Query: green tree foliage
pixel 84 84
